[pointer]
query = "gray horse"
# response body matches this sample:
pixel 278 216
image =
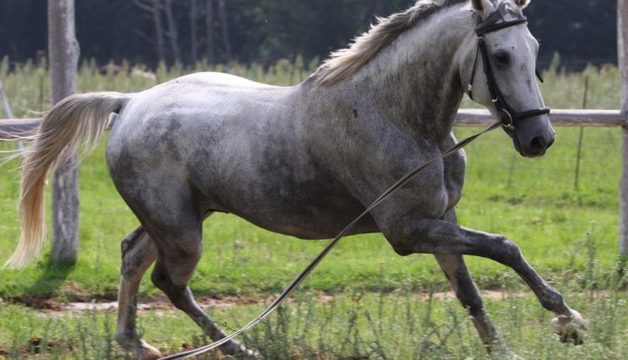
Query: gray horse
pixel 305 160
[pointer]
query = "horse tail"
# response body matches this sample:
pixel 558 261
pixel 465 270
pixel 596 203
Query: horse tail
pixel 77 120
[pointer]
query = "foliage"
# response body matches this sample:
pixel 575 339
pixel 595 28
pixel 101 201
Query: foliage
pixel 264 31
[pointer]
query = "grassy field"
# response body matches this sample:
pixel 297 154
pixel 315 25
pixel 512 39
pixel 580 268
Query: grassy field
pixel 569 234
pixel 351 326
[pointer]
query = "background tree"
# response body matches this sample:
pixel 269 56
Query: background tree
pixel 153 7
pixel 209 30
pixel 224 28
pixel 148 31
pixel 193 39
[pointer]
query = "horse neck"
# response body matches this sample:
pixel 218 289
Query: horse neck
pixel 415 81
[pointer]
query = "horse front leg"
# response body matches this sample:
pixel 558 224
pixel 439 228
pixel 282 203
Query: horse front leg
pixel 462 284
pixel 441 237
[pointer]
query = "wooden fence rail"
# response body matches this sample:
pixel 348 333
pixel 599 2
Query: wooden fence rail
pixel 466 117
pixel 9 128
pixel 560 118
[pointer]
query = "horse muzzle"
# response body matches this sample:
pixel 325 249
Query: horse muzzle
pixel 534 141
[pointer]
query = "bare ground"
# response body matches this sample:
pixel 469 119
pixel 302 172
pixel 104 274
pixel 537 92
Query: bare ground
pixel 161 303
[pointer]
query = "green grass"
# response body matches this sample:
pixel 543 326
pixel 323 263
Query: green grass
pixel 533 202
pixel 570 235
pixel 351 326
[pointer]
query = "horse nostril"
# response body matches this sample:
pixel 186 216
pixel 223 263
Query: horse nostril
pixel 538 143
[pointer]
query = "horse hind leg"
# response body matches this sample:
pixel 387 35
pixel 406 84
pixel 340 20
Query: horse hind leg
pixel 138 253
pixel 178 255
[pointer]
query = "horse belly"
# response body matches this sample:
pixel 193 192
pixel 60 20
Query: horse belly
pixel 308 222
pixel 306 209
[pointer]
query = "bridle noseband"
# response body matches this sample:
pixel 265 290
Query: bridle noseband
pixel 506 113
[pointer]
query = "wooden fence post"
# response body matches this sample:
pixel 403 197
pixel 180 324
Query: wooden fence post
pixel 622 50
pixel 63 53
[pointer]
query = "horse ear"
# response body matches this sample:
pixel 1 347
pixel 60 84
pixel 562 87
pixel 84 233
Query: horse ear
pixel 522 3
pixel 483 6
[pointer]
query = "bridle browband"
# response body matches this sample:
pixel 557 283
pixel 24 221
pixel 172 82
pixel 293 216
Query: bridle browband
pixel 507 115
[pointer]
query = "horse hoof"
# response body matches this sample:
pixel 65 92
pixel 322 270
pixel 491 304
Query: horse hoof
pixel 139 349
pixel 240 351
pixel 149 352
pixel 570 328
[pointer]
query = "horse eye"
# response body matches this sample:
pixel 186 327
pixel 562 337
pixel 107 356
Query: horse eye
pixel 502 57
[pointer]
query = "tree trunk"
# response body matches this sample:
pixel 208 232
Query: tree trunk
pixel 209 28
pixel 193 40
pixel 159 32
pixel 63 51
pixel 224 25
pixel 154 8
pixel 173 32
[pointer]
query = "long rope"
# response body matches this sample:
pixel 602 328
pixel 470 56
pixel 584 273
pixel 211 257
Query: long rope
pixel 284 294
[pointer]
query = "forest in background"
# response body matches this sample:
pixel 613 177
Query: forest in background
pixel 264 31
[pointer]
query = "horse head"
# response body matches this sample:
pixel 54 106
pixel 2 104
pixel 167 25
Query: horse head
pixel 499 70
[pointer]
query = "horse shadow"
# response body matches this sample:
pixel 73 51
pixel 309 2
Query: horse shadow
pixel 44 292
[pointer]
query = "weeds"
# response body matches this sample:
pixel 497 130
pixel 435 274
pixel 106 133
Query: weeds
pixel 364 326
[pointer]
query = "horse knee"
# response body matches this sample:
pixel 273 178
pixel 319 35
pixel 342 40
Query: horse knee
pixel 551 300
pixel 513 250
pixel 506 252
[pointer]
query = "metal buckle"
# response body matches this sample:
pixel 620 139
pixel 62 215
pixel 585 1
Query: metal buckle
pixel 506 118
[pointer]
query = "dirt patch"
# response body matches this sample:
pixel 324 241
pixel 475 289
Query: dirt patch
pixel 38 302
pixel 52 303
pixel 152 304
pixel 486 294
pixel 161 303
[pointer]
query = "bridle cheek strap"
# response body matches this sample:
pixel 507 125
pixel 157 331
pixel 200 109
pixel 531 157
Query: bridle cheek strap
pixel 507 115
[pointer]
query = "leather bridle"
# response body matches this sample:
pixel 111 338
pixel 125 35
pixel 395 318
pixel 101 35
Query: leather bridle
pixel 506 113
